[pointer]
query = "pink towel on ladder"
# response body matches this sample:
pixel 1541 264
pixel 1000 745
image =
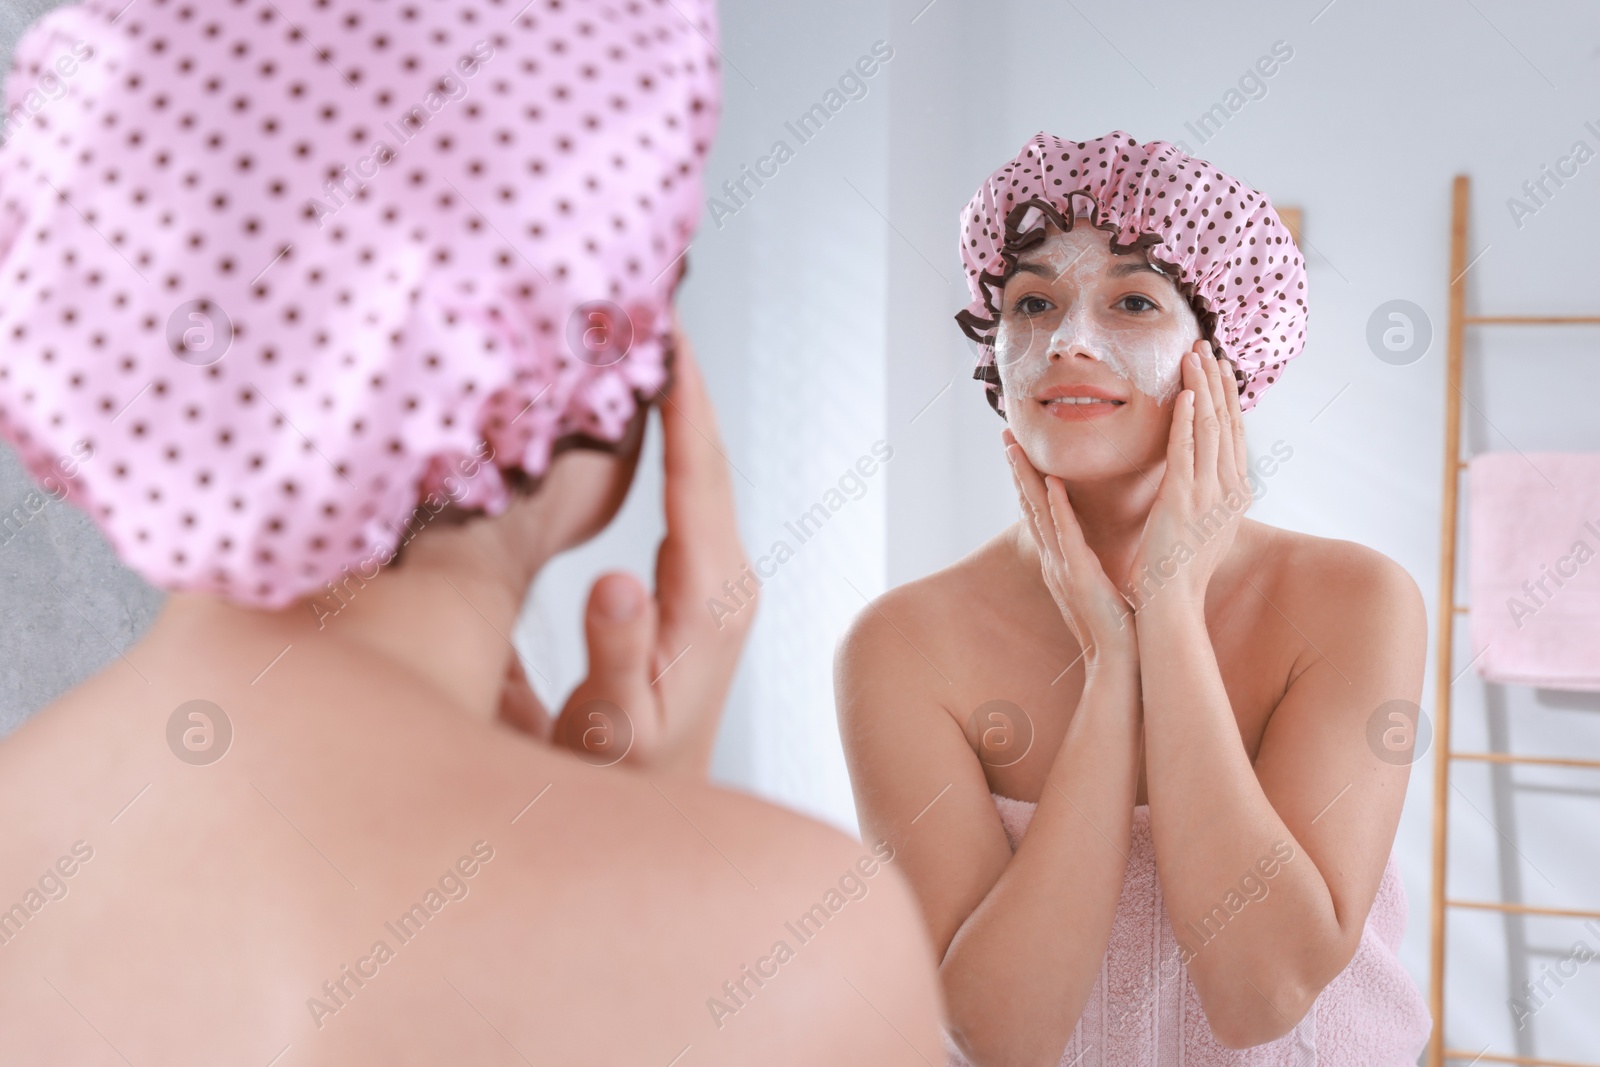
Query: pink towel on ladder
pixel 1533 535
pixel 1144 1010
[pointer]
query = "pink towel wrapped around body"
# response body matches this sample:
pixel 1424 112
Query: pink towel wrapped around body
pixel 1144 1011
pixel 1534 537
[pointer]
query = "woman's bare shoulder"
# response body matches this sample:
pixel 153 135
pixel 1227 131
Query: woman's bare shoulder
pixel 942 607
pixel 742 911
pixel 1331 565
pixel 1330 584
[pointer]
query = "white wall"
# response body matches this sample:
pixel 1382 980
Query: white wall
pixel 825 327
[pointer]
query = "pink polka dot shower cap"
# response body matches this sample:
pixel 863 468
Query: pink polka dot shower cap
pixel 1233 258
pixel 282 279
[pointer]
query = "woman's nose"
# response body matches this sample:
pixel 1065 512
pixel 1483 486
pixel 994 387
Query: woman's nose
pixel 1071 339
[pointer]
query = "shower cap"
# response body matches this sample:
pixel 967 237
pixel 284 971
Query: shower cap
pixel 1230 255
pixel 280 280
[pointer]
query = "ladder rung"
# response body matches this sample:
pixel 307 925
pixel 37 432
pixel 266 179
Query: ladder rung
pixel 1526 1061
pixel 1524 909
pixel 1543 761
pixel 1463 609
pixel 1533 320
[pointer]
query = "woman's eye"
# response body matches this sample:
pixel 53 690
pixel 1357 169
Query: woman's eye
pixel 1032 305
pixel 1136 303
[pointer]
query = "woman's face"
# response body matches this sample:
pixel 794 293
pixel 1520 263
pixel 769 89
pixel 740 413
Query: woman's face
pixel 1089 349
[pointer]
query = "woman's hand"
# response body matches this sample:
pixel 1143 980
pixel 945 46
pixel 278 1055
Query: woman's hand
pixel 660 666
pixel 1095 611
pixel 1204 493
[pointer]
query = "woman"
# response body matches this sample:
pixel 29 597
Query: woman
pixel 285 328
pixel 1132 729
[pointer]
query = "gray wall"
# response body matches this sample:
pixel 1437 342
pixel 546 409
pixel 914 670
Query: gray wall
pixel 16 16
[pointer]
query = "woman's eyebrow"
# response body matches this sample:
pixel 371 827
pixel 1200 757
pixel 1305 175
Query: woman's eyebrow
pixel 1036 268
pixel 1122 270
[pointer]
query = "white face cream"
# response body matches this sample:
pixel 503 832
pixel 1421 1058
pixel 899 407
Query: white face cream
pixel 1070 304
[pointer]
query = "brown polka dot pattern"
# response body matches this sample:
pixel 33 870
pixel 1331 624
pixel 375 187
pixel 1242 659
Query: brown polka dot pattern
pixel 303 272
pixel 1234 258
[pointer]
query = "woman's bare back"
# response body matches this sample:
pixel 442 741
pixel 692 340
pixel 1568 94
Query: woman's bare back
pixel 366 877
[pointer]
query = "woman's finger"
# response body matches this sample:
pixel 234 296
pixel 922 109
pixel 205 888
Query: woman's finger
pixel 699 496
pixel 619 627
pixel 1024 506
pixel 1211 363
pixel 1030 510
pixel 1180 442
pixel 1081 559
pixel 1075 551
pixel 1205 426
pixel 620 631
pixel 1230 471
pixel 1033 488
pixel 702 548
pixel 1241 453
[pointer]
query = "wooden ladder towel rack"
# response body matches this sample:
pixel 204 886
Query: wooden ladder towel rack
pixel 1438 1051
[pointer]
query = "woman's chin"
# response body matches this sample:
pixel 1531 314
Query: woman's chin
pixel 1078 454
pixel 1075 466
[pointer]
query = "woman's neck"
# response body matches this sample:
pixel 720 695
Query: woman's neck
pixel 1111 513
pixel 442 618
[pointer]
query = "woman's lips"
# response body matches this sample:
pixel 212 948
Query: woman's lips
pixel 1077 401
pixel 1069 411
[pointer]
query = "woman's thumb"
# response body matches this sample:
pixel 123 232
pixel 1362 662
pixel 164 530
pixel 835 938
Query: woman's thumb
pixel 620 626
pixel 613 709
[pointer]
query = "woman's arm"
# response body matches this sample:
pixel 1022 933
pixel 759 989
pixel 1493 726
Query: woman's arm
pixel 1268 871
pixel 1021 937
pixel 1020 968
pixel 1318 809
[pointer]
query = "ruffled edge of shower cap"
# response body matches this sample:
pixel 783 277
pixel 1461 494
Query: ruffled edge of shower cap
pixel 597 411
pixel 1011 209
